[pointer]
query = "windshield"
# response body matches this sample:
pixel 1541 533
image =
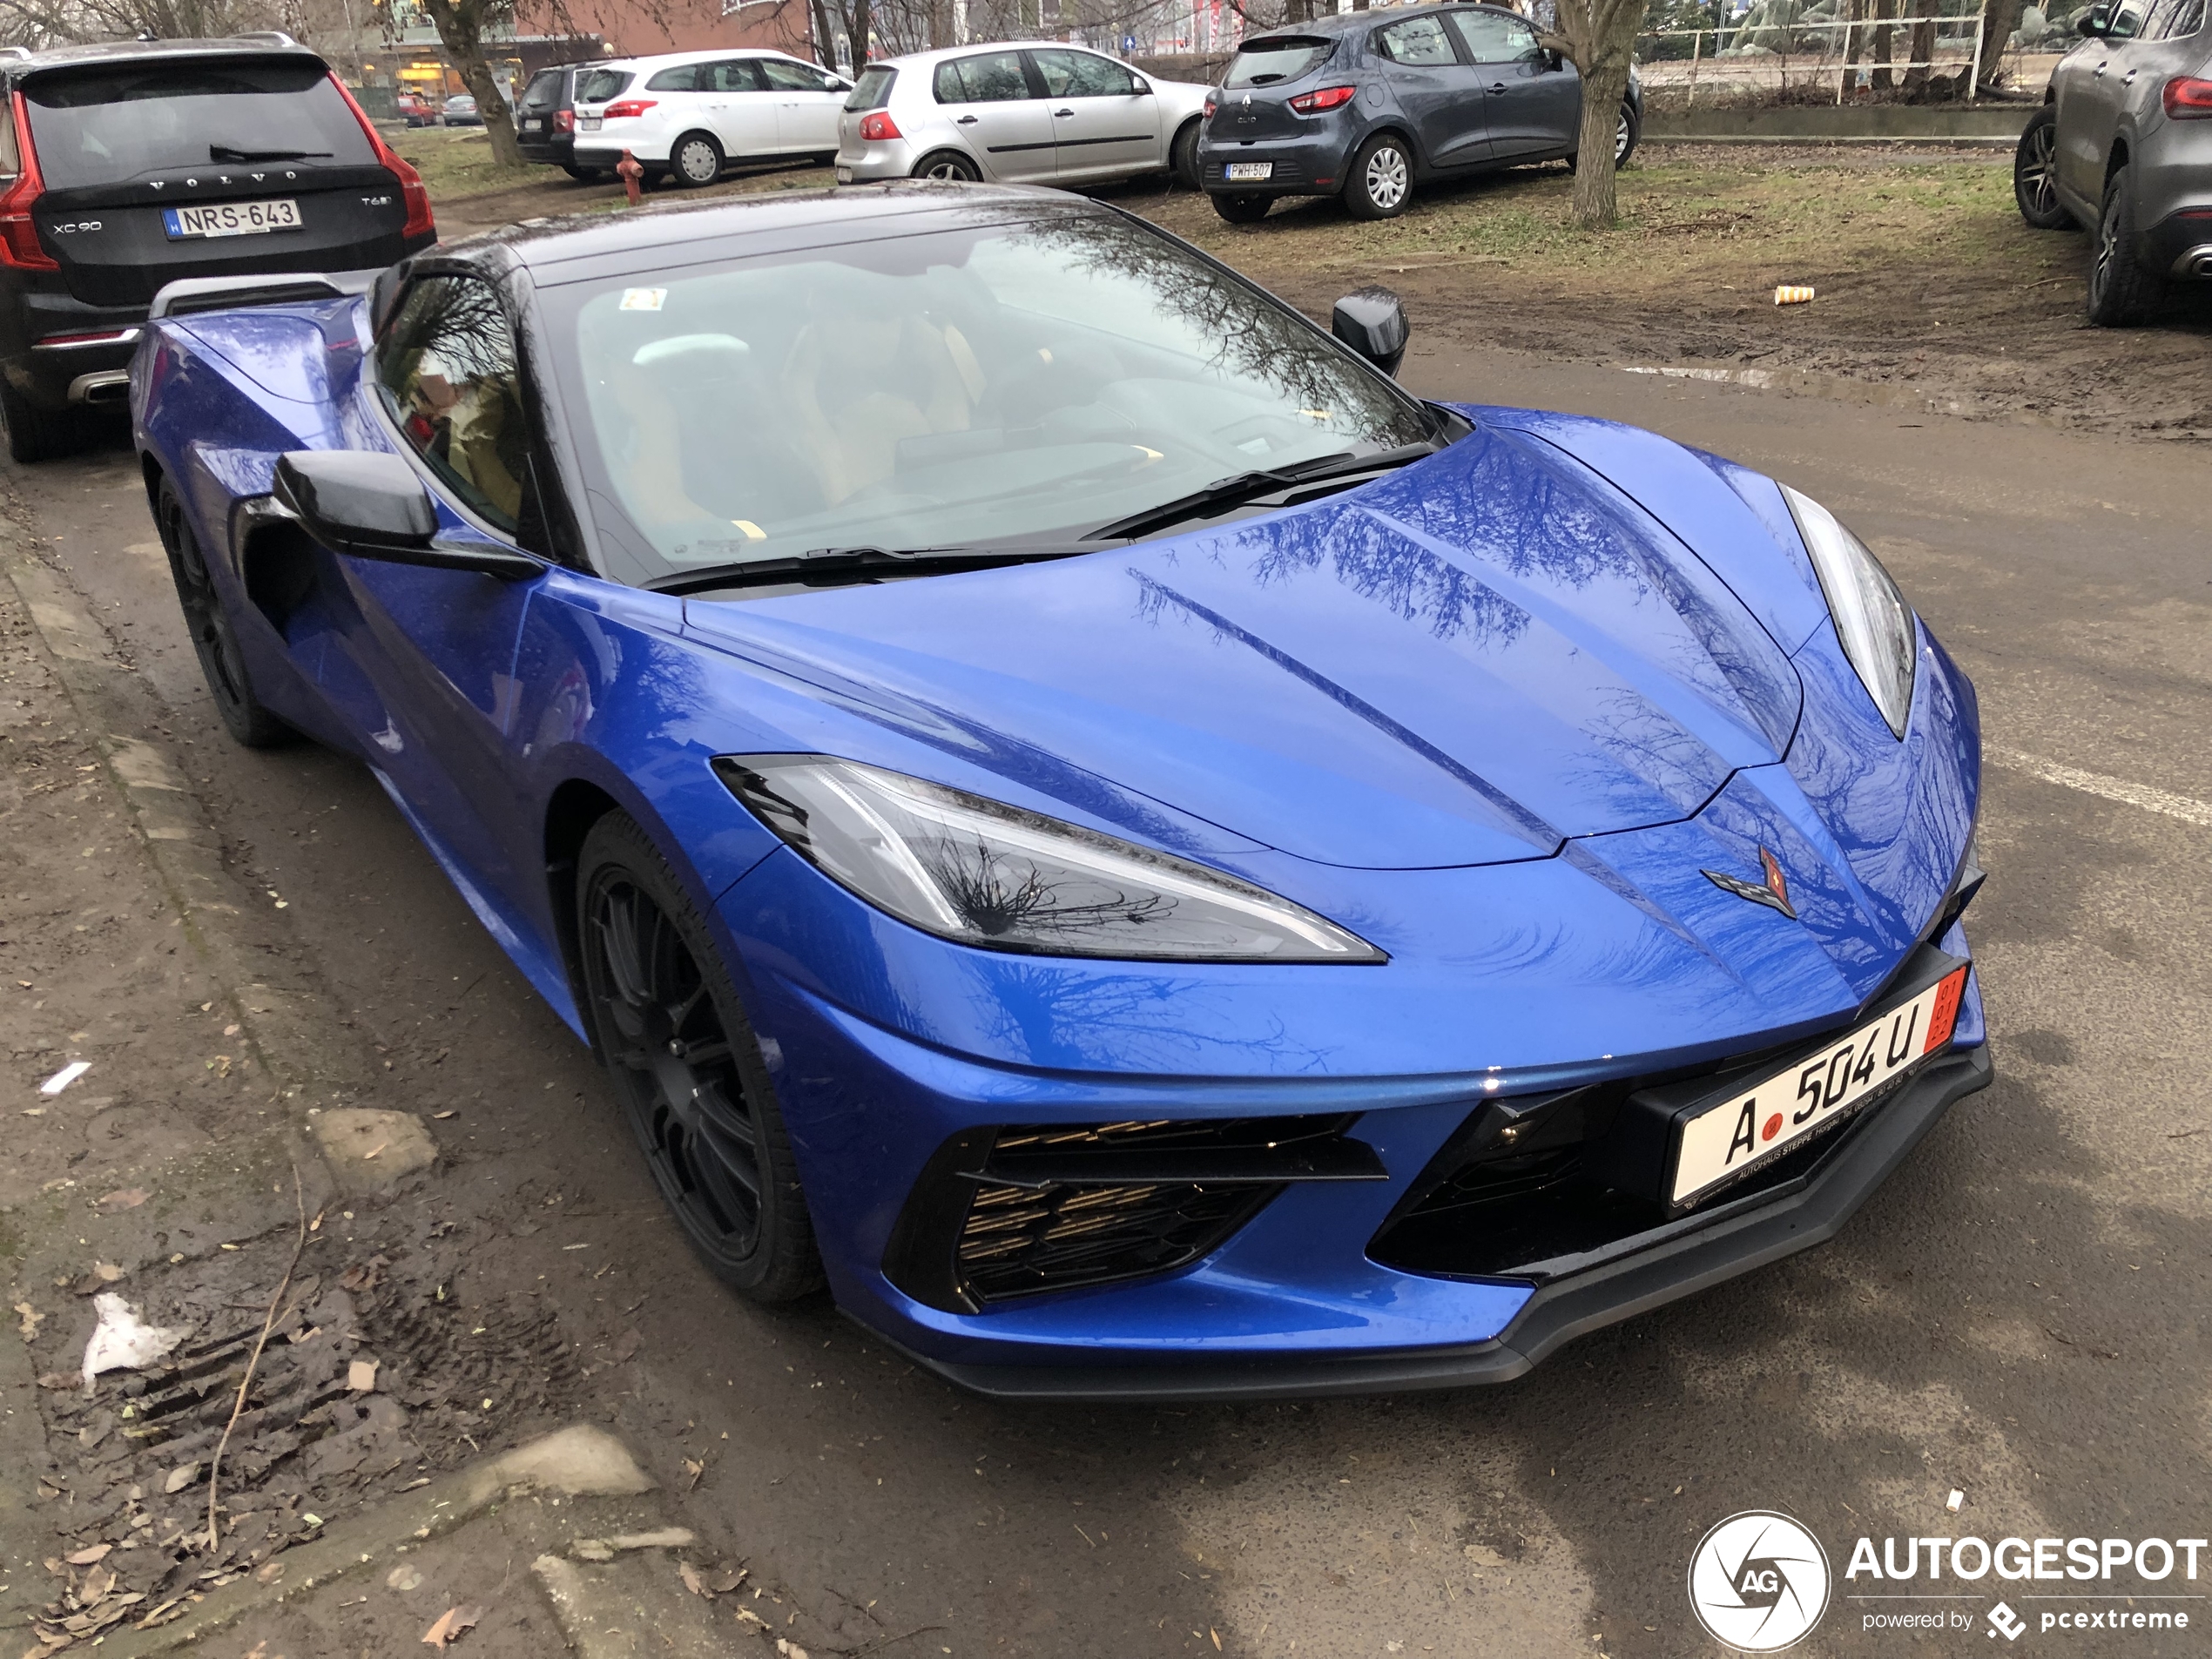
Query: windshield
pixel 872 90
pixel 1264 62
pixel 1014 380
pixel 100 126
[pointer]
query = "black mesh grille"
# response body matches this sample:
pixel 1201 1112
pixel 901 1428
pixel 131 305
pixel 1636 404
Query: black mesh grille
pixel 1020 1240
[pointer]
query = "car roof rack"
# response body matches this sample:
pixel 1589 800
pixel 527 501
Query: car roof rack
pixel 20 53
pixel 189 294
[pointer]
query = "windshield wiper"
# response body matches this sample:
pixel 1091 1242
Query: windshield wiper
pixel 1244 487
pixel 830 567
pixel 228 153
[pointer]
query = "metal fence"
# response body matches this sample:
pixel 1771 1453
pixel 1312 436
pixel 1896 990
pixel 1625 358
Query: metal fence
pixel 1807 52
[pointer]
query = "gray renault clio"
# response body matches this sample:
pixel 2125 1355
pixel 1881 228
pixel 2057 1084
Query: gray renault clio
pixel 1366 104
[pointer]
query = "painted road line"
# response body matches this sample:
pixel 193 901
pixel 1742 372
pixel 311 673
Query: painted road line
pixel 2186 809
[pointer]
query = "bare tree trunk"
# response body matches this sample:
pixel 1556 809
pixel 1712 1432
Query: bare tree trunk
pixel 1998 19
pixel 1854 13
pixel 1605 83
pixel 1883 80
pixel 1922 49
pixel 460 29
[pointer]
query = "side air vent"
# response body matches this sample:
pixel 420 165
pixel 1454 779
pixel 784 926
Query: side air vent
pixel 1027 1208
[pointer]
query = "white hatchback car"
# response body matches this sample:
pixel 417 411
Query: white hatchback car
pixel 688 115
pixel 1031 112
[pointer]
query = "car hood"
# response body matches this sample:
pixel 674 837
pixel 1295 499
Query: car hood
pixel 1464 663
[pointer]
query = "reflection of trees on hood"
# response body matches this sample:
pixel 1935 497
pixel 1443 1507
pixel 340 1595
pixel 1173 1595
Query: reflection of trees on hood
pixel 1254 338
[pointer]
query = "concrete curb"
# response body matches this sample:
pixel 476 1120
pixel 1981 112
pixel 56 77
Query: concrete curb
pixel 1847 123
pixel 579 1461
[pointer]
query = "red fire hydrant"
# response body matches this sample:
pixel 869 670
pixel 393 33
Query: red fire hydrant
pixel 630 172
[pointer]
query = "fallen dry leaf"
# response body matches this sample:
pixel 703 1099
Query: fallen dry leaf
pixel 727 1580
pixel 30 1322
pixel 121 1198
pixel 689 1575
pixel 180 1477
pixel 450 1624
pixel 97 1584
pixel 360 1376
pixel 403 1577
pixel 86 1557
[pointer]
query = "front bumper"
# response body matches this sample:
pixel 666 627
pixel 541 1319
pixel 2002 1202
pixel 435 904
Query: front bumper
pixel 1310 164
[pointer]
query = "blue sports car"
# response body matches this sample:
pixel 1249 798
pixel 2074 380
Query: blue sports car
pixel 1075 812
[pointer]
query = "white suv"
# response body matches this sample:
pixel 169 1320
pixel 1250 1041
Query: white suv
pixel 688 115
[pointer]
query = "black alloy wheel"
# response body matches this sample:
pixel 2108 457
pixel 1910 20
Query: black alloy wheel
pixel 2034 168
pixel 667 1023
pixel 1242 206
pixel 221 664
pixel 948 164
pixel 2123 291
pixel 697 159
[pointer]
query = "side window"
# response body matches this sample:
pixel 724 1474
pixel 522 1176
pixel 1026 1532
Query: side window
pixel 988 77
pixel 2179 20
pixel 732 75
pixel 447 365
pixel 2127 20
pixel 1418 40
pixel 11 157
pixel 685 77
pixel 1079 75
pixel 785 76
pixel 1492 39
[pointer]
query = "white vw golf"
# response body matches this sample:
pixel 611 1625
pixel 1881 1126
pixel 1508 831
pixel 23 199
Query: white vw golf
pixel 1017 112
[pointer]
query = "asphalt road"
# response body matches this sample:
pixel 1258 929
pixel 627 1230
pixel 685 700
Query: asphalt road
pixel 2020 1314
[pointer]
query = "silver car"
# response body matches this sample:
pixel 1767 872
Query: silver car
pixel 2122 146
pixel 1026 112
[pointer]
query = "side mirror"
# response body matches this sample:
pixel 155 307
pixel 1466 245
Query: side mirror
pixel 372 505
pixel 1553 60
pixel 1372 322
pixel 1139 87
pixel 2096 22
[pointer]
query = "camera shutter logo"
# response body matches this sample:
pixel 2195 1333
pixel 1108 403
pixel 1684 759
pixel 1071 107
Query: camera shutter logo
pixel 1758 1581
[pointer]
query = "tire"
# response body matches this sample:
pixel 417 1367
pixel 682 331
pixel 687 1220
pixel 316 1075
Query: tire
pixel 584 175
pixel 948 164
pixel 2123 291
pixel 221 664
pixel 1183 157
pixel 695 159
pixel 1626 132
pixel 1242 206
pixel 36 435
pixel 668 1026
pixel 2035 163
pixel 1379 182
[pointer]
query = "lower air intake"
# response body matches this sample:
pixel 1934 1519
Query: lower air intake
pixel 1020 1240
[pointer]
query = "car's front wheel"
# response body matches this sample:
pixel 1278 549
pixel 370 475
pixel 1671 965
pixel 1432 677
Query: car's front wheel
pixel 696 159
pixel 667 1022
pixel 2034 167
pixel 948 164
pixel 222 665
pixel 1379 184
pixel 2122 290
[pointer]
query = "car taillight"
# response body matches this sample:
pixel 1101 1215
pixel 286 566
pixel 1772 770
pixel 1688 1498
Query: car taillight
pixel 19 243
pixel 1211 106
pixel 1329 97
pixel 629 107
pixel 564 120
pixel 419 220
pixel 876 126
pixel 2188 100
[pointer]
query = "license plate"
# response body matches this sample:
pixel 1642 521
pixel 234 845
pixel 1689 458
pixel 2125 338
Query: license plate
pixel 590 123
pixel 1748 1130
pixel 231 219
pixel 845 175
pixel 1251 172
pixel 533 126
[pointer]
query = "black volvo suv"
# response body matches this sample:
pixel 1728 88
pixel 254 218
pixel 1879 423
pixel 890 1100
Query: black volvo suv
pixel 125 167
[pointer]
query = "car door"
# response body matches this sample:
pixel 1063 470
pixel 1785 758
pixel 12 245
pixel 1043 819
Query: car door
pixel 1531 107
pixel 1002 118
pixel 744 111
pixel 807 101
pixel 1437 88
pixel 422 663
pixel 2089 84
pixel 1102 127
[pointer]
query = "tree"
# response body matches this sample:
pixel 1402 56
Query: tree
pixel 461 25
pixel 1599 36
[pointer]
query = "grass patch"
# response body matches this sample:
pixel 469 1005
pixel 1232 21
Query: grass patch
pixel 458 161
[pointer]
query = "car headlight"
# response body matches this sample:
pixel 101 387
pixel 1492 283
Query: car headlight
pixel 982 873
pixel 1872 618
